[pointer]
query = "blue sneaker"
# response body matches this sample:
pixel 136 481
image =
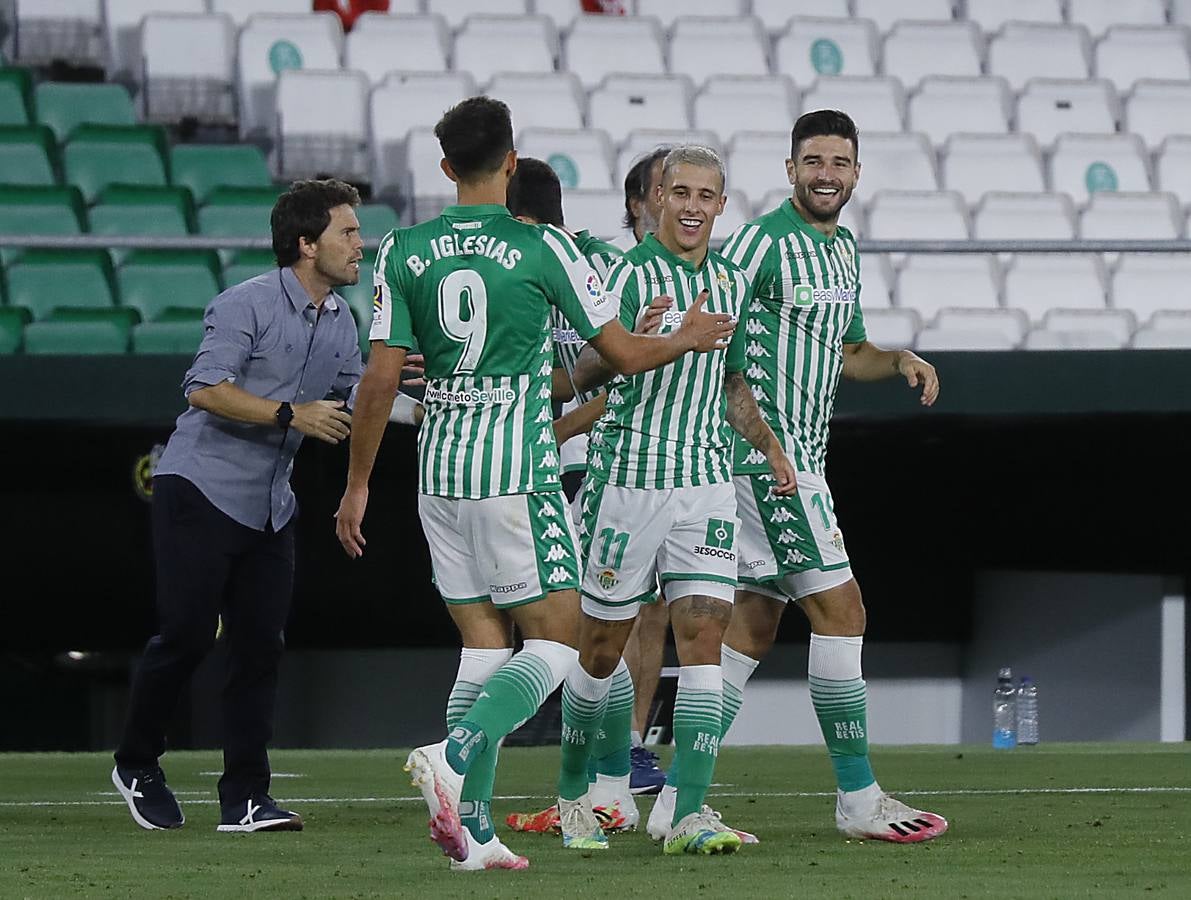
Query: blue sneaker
pixel 645 777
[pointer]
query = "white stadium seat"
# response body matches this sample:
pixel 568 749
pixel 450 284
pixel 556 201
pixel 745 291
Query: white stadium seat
pixel 775 15
pixel 1158 109
pixel 1036 282
pixel 890 329
pixel 1131 216
pixel 1174 167
pixel 1011 324
pixel 975 164
pixel 943 106
pixel 991 15
pixel 1050 107
pixel 914 50
pixel 562 13
pixel 1150 337
pixel 1180 12
pixel 540 99
pixel 875 104
pixel 886 12
pixel 737 211
pixel 424 176
pixel 322 120
pixel 738 46
pixel 1015 216
pixel 913 215
pixel 1129 53
pixel 895 160
pixel 1025 50
pixel 627 102
pixel 271 44
pixel 1147 283
pixel 731 103
pixel 599 212
pixel 600 45
pixel 179 83
pixel 1085 163
pixel 813 47
pixel 931 282
pixel 1085 329
pixel 669 11
pixel 582 159
pixel 380 43
pixel 243 10
pixel 407 100
pixel 966 339
pixel 1100 15
pixel 123 19
pixel 645 140
pixel 756 163
pixel 455 12
pixel 487 44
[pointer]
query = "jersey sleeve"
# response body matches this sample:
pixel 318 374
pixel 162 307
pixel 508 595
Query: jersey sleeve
pixel 748 247
pixel 572 285
pixel 735 360
pixel 856 333
pixel 391 320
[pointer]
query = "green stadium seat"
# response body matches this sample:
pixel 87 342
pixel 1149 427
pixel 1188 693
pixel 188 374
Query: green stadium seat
pixel 205 167
pixel 181 337
pixel 99 155
pixel 66 105
pixel 101 335
pixel 247 264
pixel 238 212
pixel 28 210
pixel 27 154
pixel 376 220
pixel 12 324
pixel 136 210
pixel 48 282
pixel 16 96
pixel 167 285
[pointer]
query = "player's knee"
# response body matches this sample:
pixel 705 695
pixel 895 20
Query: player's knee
pixel 838 611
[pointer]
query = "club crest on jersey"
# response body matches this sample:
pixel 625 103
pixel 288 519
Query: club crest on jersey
pixel 607 579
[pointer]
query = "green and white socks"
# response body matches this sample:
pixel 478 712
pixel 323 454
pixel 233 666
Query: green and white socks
pixel 840 700
pixel 475 668
pixel 698 722
pixel 611 754
pixel 584 699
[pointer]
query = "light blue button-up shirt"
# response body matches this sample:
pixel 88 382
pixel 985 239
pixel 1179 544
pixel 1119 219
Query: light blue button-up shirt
pixel 265 336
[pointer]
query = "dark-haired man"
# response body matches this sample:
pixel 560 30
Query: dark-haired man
pixel 642 207
pixel 223 511
pixel 805 331
pixel 475 287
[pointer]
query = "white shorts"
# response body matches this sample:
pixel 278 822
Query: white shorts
pixel 510 550
pixel 632 536
pixel 790 547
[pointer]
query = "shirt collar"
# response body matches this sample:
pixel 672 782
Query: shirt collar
pixel 803 225
pixel 661 250
pixel 297 295
pixel 478 209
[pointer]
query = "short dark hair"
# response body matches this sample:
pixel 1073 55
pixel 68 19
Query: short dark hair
pixel 304 211
pixel 636 182
pixel 535 192
pixel 475 135
pixel 824 122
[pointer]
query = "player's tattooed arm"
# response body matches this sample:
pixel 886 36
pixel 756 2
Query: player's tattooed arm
pixel 745 418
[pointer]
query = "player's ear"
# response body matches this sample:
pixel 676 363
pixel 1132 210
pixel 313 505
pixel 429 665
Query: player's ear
pixel 790 171
pixel 510 163
pixel 447 170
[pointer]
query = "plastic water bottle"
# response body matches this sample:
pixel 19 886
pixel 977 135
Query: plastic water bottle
pixel 1004 712
pixel 1027 711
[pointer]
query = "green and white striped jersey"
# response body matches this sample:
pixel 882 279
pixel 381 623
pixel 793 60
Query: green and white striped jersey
pixel 806 307
pixel 600 255
pixel 475 287
pixel 668 427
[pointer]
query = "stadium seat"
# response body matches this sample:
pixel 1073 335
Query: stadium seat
pixel 237 212
pixel 895 160
pixel 376 220
pixel 133 210
pixel 1025 50
pixel 406 100
pixel 878 103
pixel 1083 164
pixel 1151 338
pixel 562 13
pixel 456 12
pixel 975 164
pixel 1098 16
pixel 851 217
pixel 1131 216
pixel 1129 53
pixel 1050 107
pixel 876 282
pixel 931 282
pixel 956 337
pixel 1180 12
pixel 123 20
pixel 943 106
pixel 885 13
pixel 490 44
pixel 12 327
pixel 775 15
pixel 168 284
pixel 181 84
pixel 1147 283
pixel 180 338
pixel 541 99
pixel 599 212
pixel 247 264
pixel 65 105
pixel 423 175
pixel 913 215
pixel 581 159
pixel 891 329
pixel 69 30
pixel 646 140
pixel 1174 167
pixel 739 46
pixel 756 163
pixel 205 167
pixel 812 47
pixel 737 211
pixel 1083 329
pixel 992 15
pixel 1013 216
pixel 47 281
pixel 243 10
pixel 730 103
pixel 914 50
pixel 322 124
pixel 1037 282
pixel 104 335
pixel 600 45
pixel 39 209
pixel 1158 109
pixel 16 96
pixel 668 12
pixel 381 43
pixel 624 103
pixel 272 44
pixel 27 154
pixel 99 155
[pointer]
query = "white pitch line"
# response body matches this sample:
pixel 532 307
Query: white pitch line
pixel 975 792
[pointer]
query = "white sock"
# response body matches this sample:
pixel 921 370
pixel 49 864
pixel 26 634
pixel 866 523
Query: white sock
pixel 838 659
pixel 636 739
pixel 607 789
pixel 559 657
pixel 475 667
pixel 860 803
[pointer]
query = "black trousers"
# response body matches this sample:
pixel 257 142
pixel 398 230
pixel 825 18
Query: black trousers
pixel 208 565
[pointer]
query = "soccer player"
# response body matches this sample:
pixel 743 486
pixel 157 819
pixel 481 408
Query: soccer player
pixel 805 331
pixel 659 503
pixel 475 287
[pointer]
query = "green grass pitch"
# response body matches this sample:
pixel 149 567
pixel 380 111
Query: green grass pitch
pixel 1058 820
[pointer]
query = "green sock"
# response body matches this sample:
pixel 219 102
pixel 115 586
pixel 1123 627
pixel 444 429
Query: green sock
pixel 842 711
pixel 614 738
pixel 477 818
pixel 584 699
pixel 698 719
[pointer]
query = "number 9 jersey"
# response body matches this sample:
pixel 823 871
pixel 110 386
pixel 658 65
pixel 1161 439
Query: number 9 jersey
pixel 474 287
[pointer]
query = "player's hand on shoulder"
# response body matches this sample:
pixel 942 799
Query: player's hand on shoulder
pixel 917 370
pixel 326 420
pixel 707 331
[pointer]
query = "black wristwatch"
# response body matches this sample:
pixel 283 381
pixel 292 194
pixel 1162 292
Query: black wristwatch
pixel 285 415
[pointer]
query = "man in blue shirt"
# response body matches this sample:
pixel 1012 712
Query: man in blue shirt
pixel 275 347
